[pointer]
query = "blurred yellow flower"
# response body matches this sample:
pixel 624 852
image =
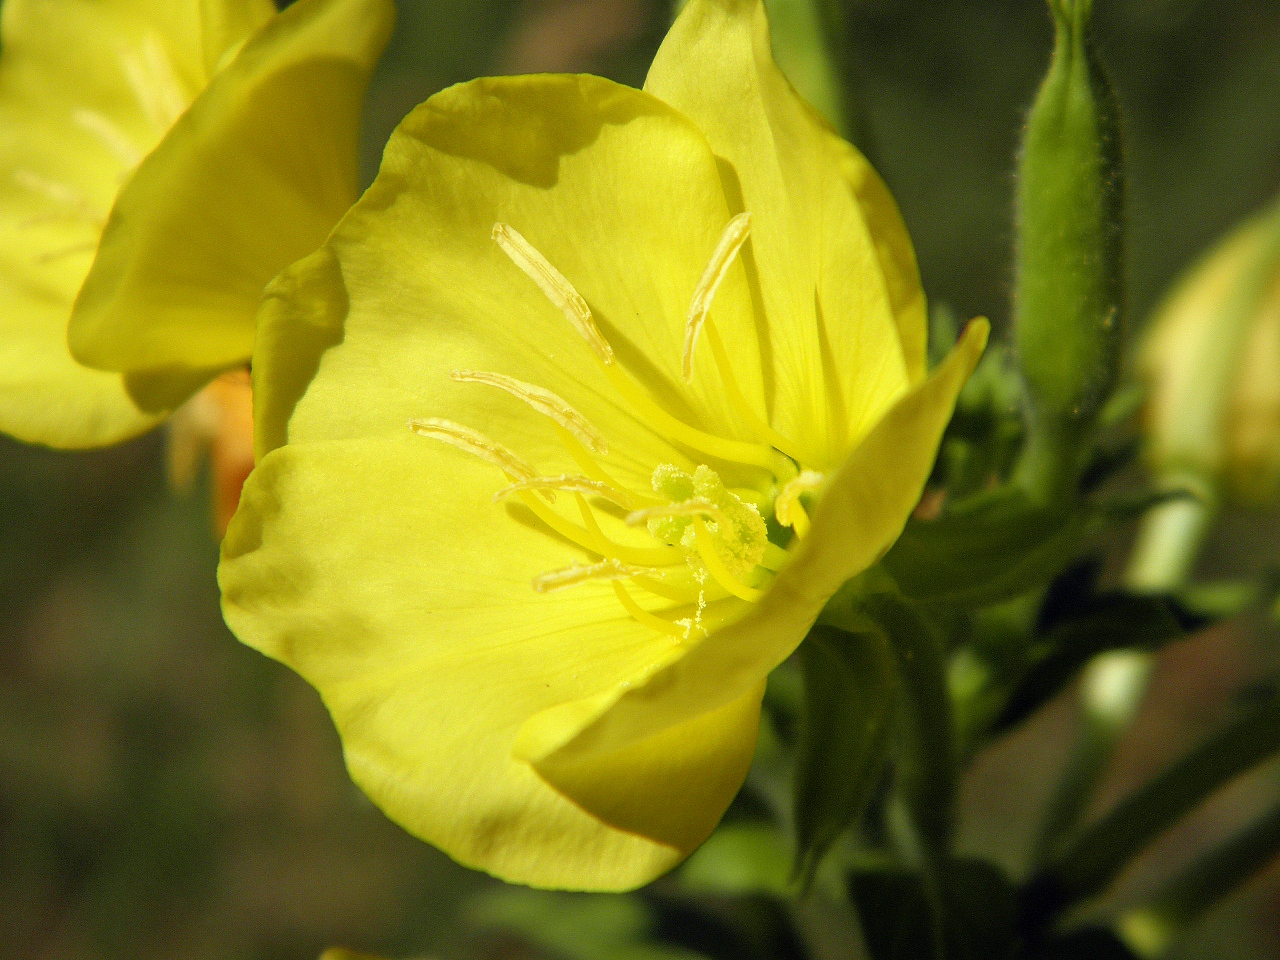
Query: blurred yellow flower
pixel 160 161
pixel 1212 364
pixel 661 356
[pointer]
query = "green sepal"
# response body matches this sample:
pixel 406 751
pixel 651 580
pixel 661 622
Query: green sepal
pixel 850 684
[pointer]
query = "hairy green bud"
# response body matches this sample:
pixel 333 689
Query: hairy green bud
pixel 1069 280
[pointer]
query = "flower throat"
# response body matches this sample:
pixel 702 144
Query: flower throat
pixel 713 549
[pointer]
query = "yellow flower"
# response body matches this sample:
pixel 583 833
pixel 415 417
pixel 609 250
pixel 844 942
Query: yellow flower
pixel 160 161
pixel 1210 361
pixel 661 356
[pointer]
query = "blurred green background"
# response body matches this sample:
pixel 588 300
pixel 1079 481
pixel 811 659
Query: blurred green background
pixel 165 792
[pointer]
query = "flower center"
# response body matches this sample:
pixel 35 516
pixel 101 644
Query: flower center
pixel 710 550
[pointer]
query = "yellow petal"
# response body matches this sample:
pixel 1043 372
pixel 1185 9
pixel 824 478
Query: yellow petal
pixel 615 189
pixel 860 514
pixel 74 117
pixel 834 363
pixel 369 567
pixel 250 178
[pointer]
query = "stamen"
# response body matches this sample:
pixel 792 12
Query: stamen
pixel 592 469
pixel 648 619
pixel 544 402
pixel 72 202
pixel 60 253
pixel 735 234
pixel 787 507
pixel 595 541
pixel 707 551
pixel 569 483
pixel 582 573
pixel 554 285
pixel 476 444
pixel 110 136
pixel 665 424
pixel 155 86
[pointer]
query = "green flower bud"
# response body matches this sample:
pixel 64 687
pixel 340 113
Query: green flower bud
pixel 1211 362
pixel 1069 258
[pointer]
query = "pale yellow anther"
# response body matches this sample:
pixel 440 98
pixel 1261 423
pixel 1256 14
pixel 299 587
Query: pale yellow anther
pixel 734 236
pixel 568 483
pixel 544 402
pixel 474 443
pixel 554 285
pixel 787 507
pixel 109 134
pixel 610 569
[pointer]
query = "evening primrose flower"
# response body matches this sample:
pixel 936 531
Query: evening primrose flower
pixel 565 438
pixel 1210 360
pixel 160 161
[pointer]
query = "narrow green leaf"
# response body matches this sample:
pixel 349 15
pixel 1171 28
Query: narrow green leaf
pixel 1151 929
pixel 1092 861
pixel 844 735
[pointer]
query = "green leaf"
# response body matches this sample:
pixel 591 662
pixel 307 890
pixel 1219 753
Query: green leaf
pixel 897 922
pixel 741 859
pixel 978 907
pixel 1108 621
pixel 924 748
pixel 1090 943
pixel 844 736
pixel 990 547
pixel 1088 864
pixel 577 926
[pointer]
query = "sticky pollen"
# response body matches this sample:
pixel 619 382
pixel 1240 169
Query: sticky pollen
pixel 474 443
pixel 544 402
pixel 787 507
pixel 584 573
pixel 568 483
pixel 693 507
pixel 554 285
pixel 731 241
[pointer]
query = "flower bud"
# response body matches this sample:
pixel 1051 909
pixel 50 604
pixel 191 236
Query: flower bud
pixel 1069 256
pixel 1211 361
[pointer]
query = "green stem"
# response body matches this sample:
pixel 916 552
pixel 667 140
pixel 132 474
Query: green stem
pixel 1092 861
pixel 1149 930
pixel 1049 465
